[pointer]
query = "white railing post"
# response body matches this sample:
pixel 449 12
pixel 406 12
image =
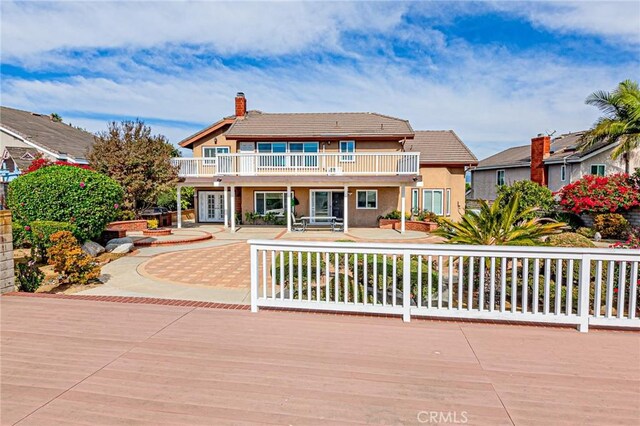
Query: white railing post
pixel 406 286
pixel 179 206
pixel 254 278
pixel 583 293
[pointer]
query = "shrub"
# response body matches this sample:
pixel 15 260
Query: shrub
pixel 569 239
pixel 19 234
pixel 85 198
pixel 586 232
pixel 531 195
pixel 632 242
pixel 571 219
pixel 41 162
pixel 29 276
pixel 68 259
pixel 611 225
pixel 427 216
pixel 169 198
pixel 152 223
pixel 125 215
pixel 396 214
pixel 600 194
pixel 40 236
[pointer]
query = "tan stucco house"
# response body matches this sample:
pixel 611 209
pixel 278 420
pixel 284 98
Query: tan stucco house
pixel 353 167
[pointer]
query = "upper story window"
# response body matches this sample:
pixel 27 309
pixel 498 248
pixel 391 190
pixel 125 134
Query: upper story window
pixel 212 152
pixel 500 177
pixel 563 173
pixel 347 146
pixel 598 169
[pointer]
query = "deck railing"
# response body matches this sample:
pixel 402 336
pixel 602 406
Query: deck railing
pixel 533 284
pixel 261 164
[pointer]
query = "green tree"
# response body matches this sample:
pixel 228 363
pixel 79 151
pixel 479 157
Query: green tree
pixel 56 117
pixel 531 195
pixel 138 160
pixel 169 198
pixel 497 225
pixel 620 120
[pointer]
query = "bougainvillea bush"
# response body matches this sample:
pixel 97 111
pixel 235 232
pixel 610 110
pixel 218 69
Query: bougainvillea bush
pixel 84 198
pixel 40 162
pixel 600 194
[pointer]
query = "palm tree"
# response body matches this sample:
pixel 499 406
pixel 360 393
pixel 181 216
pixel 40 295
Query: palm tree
pixel 496 225
pixel 620 121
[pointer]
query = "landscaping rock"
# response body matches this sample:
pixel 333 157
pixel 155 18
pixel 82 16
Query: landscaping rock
pixel 597 236
pixel 92 248
pixel 123 248
pixel 112 244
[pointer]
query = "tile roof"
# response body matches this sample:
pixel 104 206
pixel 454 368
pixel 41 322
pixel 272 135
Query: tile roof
pixel 563 148
pixel 39 129
pixel 321 125
pixel 440 146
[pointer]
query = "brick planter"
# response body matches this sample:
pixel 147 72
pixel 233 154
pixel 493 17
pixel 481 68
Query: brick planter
pixel 156 232
pixel 410 225
pixel 128 225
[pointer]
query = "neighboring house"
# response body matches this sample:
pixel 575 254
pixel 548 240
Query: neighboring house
pixel 550 162
pixel 25 135
pixel 352 166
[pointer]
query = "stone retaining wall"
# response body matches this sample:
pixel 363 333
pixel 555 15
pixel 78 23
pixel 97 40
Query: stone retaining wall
pixel 632 215
pixel 7 274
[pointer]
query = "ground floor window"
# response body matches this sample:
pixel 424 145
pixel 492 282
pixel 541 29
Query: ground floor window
pixel 367 199
pixel 271 202
pixel 597 169
pixel 432 201
pixel 448 210
pixel 415 204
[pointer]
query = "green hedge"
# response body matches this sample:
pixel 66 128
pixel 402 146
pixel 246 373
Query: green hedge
pixel 85 198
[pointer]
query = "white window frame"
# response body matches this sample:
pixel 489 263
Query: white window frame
pixel 366 199
pixel 415 200
pixel 347 158
pixel 433 190
pixel 563 173
pixel 284 201
pixel 211 160
pixel 598 165
pixel 447 204
pixel 498 177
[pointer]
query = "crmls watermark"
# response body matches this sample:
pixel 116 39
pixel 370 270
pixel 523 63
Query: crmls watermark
pixel 443 417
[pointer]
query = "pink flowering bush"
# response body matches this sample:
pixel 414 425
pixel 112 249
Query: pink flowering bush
pixel 600 194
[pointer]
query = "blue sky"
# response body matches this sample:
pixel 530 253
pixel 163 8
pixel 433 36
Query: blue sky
pixel 497 73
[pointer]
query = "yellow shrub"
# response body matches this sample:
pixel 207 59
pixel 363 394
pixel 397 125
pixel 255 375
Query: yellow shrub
pixel 152 224
pixel 68 259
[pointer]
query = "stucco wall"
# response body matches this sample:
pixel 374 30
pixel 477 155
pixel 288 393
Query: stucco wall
pixel 483 182
pixel 441 178
pixel 7 276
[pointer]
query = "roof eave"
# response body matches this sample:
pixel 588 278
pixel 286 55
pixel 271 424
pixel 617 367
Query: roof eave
pixel 332 137
pixel 205 132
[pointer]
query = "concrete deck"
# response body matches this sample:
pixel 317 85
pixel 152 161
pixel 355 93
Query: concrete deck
pixel 93 363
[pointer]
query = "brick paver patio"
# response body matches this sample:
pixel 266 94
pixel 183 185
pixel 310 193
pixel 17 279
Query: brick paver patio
pixel 225 266
pixel 98 363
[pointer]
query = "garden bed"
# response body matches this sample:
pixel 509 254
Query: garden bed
pixel 127 225
pixel 410 225
pixel 156 232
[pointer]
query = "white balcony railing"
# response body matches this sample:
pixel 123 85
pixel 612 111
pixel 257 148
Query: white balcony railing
pixel 535 284
pixel 260 164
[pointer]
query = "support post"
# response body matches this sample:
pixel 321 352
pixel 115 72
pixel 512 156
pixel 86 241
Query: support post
pixel 254 278
pixel 346 209
pixel 583 294
pixel 406 287
pixel 288 208
pixel 226 207
pixel 403 208
pixel 179 205
pixel 232 208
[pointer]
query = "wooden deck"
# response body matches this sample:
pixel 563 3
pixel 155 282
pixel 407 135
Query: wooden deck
pixel 84 362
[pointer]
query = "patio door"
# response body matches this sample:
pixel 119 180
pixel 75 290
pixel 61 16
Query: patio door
pixel 211 206
pixel 327 203
pixel 248 162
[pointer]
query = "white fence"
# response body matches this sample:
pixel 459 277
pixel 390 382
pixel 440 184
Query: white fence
pixel 533 284
pixel 339 164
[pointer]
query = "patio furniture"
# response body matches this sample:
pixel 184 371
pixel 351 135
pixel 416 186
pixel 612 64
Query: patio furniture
pixel 324 221
pixel 337 225
pixel 298 225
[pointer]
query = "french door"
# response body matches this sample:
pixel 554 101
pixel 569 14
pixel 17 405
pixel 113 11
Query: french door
pixel 327 204
pixel 211 206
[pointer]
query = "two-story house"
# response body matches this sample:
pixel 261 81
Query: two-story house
pixel 549 162
pixel 353 167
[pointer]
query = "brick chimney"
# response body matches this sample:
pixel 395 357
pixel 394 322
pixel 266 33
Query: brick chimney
pixel 540 150
pixel 241 105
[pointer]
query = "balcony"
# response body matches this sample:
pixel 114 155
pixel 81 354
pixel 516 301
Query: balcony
pixel 301 164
